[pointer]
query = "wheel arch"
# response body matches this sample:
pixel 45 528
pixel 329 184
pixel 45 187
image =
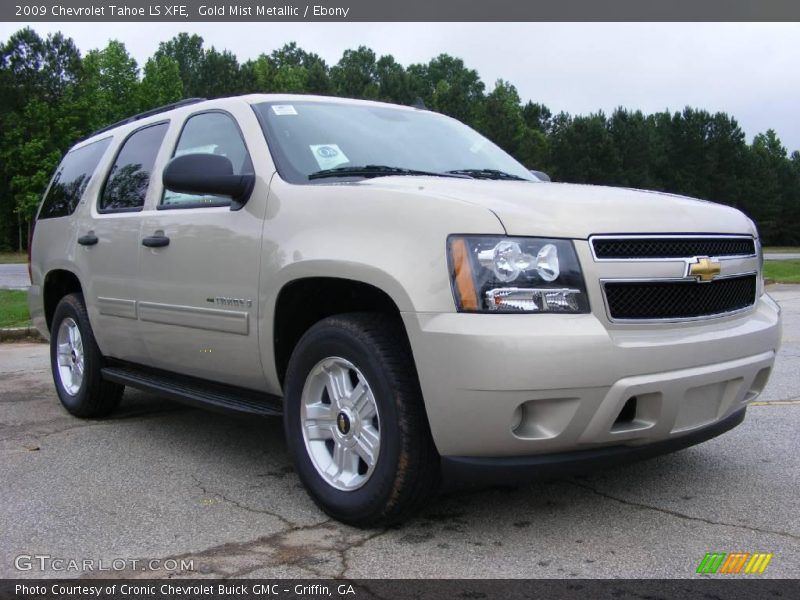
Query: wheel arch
pixel 57 284
pixel 303 301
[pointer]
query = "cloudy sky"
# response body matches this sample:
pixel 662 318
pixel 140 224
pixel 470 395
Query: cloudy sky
pixel 751 71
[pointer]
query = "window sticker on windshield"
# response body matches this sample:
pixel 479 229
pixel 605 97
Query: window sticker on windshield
pixel 283 109
pixel 328 156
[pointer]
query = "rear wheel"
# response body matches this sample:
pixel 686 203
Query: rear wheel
pixel 76 362
pixel 355 420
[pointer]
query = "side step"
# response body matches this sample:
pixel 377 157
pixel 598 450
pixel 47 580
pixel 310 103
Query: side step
pixel 196 392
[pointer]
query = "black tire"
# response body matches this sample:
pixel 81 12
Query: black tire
pixel 408 470
pixel 95 397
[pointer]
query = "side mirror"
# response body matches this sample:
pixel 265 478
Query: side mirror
pixel 208 174
pixel 540 175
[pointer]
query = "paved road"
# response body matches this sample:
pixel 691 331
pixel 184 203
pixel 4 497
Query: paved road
pixel 159 480
pixel 14 277
pixel 781 256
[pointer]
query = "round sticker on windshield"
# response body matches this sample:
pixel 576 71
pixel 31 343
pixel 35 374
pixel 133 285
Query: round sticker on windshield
pixel 327 152
pixel 328 156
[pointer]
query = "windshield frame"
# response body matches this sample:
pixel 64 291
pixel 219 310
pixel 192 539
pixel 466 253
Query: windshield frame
pixel 289 174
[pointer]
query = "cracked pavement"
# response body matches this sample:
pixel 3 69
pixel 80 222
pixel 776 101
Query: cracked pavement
pixel 159 481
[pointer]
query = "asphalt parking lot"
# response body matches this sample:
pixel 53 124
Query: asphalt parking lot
pixel 14 277
pixel 160 481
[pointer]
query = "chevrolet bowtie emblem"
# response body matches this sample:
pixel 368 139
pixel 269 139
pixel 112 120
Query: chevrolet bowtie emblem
pixel 703 268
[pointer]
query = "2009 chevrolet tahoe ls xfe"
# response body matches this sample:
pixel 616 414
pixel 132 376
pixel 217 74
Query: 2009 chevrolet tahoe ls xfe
pixel 410 298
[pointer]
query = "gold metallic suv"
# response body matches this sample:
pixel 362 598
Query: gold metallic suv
pixel 413 301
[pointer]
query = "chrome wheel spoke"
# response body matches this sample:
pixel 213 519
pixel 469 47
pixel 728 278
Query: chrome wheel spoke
pixel 319 421
pixel 64 355
pixel 344 463
pixel 363 403
pixel 367 445
pixel 336 384
pixel 316 433
pixel 340 423
pixel 320 412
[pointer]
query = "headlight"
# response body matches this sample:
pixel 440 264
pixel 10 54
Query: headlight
pixel 504 274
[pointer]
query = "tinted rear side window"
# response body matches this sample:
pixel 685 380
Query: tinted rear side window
pixel 129 178
pixel 71 179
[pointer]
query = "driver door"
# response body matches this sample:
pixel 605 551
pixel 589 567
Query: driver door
pixel 199 262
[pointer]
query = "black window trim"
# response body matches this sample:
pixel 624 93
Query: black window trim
pixel 189 205
pixel 53 178
pixel 106 211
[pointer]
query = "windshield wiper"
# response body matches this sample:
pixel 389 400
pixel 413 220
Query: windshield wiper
pixel 487 174
pixel 378 171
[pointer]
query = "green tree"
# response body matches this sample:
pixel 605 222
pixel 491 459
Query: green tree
pixel 769 181
pixel 218 75
pixel 187 51
pixel 286 70
pixel 355 75
pixel 501 120
pixel 533 150
pixel 583 151
pixel 110 85
pixel 447 86
pixel 393 81
pixel 634 140
pixel 161 83
pixel 537 116
pixel 40 117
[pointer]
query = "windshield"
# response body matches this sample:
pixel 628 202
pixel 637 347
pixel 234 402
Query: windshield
pixel 326 139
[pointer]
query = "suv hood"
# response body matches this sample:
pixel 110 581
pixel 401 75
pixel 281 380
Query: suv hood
pixel 577 211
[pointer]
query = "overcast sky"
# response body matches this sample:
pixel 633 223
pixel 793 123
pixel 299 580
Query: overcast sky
pixel 751 71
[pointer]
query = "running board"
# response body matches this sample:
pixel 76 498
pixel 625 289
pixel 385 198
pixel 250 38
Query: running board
pixel 196 392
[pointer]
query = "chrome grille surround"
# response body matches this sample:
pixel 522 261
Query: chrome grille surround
pixel 674 270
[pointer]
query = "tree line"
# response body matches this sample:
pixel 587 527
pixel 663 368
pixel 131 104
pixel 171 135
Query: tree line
pixel 51 96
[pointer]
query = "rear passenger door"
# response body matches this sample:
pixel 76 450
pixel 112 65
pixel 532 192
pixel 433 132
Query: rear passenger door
pixel 109 243
pixel 198 299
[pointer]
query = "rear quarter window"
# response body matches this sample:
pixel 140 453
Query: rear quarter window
pixel 71 178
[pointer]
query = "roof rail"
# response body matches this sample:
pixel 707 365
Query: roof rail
pixel 147 113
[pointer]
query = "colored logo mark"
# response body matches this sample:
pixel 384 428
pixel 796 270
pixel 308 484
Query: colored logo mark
pixel 734 563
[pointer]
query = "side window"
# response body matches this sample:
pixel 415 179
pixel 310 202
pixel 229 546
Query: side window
pixel 209 133
pixel 71 179
pixel 129 178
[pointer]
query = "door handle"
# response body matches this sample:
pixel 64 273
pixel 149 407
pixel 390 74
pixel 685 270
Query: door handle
pixel 89 239
pixel 155 241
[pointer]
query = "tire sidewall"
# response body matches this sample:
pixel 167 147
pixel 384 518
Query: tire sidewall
pixel 331 341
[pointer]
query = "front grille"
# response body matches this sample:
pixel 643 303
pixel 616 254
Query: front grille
pixel 671 247
pixel 678 299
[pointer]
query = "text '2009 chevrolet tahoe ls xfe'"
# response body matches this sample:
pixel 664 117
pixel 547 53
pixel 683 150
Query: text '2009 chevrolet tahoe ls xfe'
pixel 408 296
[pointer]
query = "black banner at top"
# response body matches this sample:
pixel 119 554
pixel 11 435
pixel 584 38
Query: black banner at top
pixel 398 10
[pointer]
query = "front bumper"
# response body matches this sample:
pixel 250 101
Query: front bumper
pixel 472 470
pixel 525 385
